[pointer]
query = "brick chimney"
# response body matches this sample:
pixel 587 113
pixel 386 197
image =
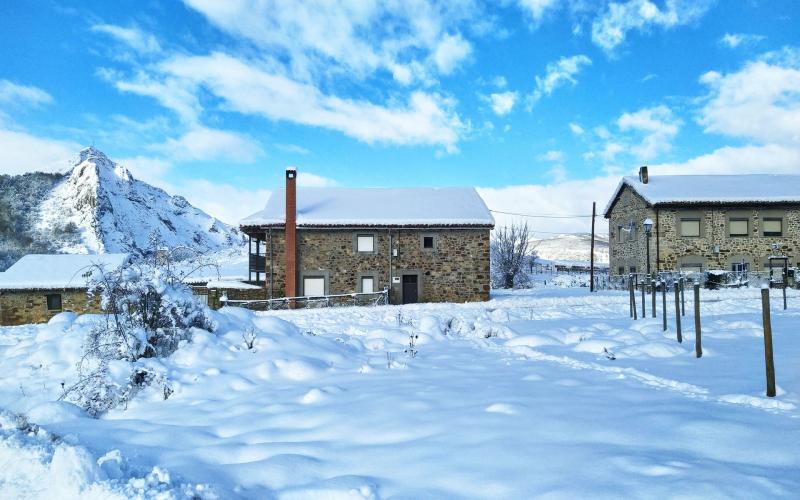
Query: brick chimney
pixel 643 177
pixel 291 232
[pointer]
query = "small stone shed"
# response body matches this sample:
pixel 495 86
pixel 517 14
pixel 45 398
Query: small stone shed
pixel 37 287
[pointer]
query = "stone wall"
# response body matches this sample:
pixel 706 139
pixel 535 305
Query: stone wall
pixel 456 270
pixel 715 248
pixel 19 307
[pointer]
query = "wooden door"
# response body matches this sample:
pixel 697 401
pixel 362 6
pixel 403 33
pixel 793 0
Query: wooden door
pixel 410 289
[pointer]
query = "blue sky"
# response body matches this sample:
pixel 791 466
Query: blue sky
pixel 542 104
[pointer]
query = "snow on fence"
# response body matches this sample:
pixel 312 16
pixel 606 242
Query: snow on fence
pixel 310 302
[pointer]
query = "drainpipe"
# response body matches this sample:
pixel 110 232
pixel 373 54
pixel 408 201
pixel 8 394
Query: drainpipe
pixel 269 235
pixel 658 241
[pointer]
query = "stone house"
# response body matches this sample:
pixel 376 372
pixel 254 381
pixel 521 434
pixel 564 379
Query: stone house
pixel 37 287
pixel 702 222
pixel 422 244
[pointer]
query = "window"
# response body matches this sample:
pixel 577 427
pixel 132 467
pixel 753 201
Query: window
pixel 773 226
pixel 621 270
pixel 690 228
pixel 313 286
pixel 691 267
pixel 740 267
pixel 367 284
pixel 633 269
pixel 365 243
pixel 738 227
pixel 54 302
pixel 427 242
pixel 619 234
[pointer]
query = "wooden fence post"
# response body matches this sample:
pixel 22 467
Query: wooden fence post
pixel 653 295
pixel 664 302
pixel 644 303
pixel 683 297
pixel 678 312
pixel 630 294
pixel 785 278
pixel 633 298
pixel 698 338
pixel 770 364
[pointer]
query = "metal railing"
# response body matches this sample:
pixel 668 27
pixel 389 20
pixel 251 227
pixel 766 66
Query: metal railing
pixel 313 301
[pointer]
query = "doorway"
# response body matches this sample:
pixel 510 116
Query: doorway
pixel 410 289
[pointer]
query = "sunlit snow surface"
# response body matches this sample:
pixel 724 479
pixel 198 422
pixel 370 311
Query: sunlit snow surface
pixel 514 398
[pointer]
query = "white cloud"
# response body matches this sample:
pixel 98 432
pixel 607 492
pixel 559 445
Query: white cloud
pixel 292 148
pixel 760 102
pixel 133 37
pixel 14 94
pixel 768 159
pixel 536 10
pixel 205 144
pixel 658 126
pixel 227 203
pixel 576 129
pixel 425 119
pixel 571 197
pixel 734 40
pixel 502 102
pixel 24 152
pixel 172 93
pixel 452 50
pixel 610 29
pixel 307 179
pixel 354 38
pixel 558 74
pixel 553 155
pixel 147 169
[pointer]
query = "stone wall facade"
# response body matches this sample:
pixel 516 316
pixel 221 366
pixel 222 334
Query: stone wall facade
pixel 456 269
pixel 715 248
pixel 20 307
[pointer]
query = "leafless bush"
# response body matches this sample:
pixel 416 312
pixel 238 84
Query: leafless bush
pixel 509 253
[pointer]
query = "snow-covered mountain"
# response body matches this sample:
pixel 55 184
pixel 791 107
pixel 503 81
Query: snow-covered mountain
pixel 100 207
pixel 572 248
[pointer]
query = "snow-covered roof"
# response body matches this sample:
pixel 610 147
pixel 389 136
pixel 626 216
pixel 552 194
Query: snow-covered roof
pixel 713 189
pixel 408 207
pixel 48 271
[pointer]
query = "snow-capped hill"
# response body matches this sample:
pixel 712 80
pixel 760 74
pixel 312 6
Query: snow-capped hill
pixel 100 207
pixel 572 248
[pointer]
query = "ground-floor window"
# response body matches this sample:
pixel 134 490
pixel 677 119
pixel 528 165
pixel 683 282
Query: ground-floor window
pixel 313 286
pixel 740 267
pixel 54 302
pixel 367 284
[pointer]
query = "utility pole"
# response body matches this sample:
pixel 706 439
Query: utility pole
pixel 591 251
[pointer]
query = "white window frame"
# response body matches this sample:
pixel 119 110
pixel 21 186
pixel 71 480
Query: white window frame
pixel 364 238
pixel 320 279
pixel 371 280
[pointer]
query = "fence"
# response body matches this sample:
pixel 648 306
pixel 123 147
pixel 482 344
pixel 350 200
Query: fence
pixel 708 279
pixel 313 302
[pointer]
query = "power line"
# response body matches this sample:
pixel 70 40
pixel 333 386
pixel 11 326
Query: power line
pixel 543 216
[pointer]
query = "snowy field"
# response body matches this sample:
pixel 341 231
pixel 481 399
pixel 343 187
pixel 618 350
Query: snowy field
pixel 514 398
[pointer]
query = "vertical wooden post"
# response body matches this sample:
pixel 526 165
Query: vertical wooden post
pixel 664 302
pixel 678 312
pixel 633 298
pixel 770 364
pixel 698 338
pixel 785 278
pixel 653 294
pixel 630 297
pixel 644 302
pixel 683 297
pixel 591 251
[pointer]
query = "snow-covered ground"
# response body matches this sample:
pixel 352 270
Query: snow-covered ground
pixel 513 398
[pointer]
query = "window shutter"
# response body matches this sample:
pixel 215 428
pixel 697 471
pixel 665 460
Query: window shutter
pixel 366 243
pixel 367 284
pixel 314 286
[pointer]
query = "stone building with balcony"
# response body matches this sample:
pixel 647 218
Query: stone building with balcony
pixel 703 222
pixel 422 244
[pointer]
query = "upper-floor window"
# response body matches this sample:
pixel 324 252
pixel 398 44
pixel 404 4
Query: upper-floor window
pixel 738 227
pixel 365 243
pixel 690 228
pixel 427 242
pixel 620 232
pixel 773 226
